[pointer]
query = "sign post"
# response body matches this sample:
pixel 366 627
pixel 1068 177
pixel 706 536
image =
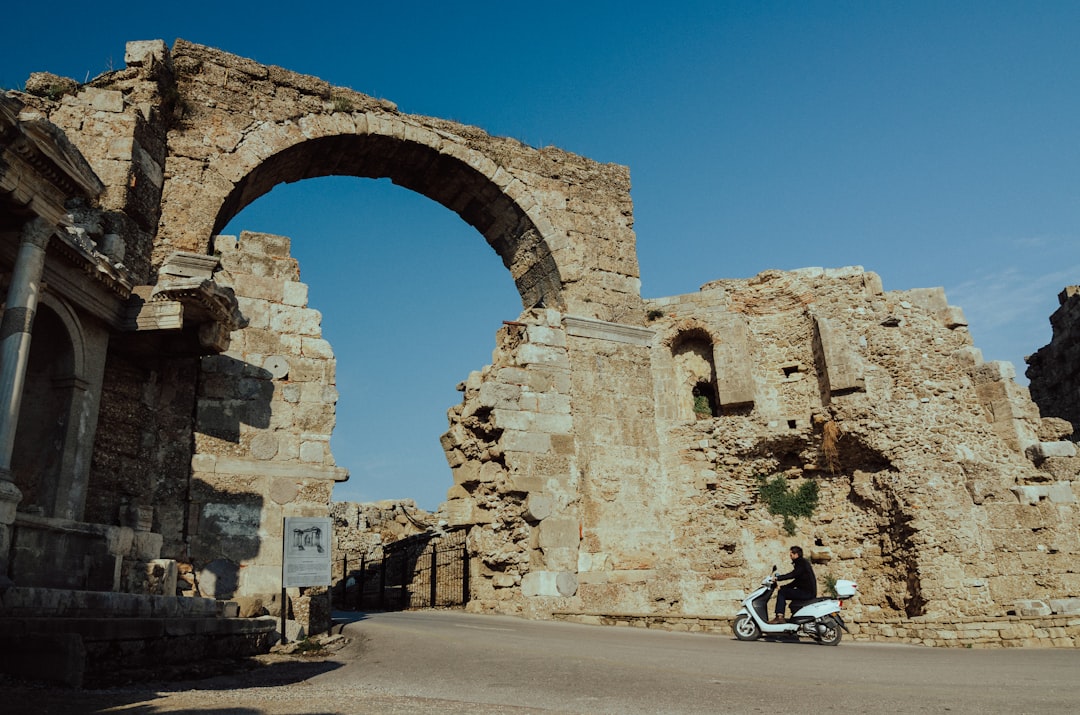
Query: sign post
pixel 305 557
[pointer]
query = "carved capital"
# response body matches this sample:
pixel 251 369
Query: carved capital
pixel 38 232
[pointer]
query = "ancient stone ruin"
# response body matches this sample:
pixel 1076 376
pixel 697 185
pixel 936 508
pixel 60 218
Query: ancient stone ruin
pixel 1054 369
pixel 176 400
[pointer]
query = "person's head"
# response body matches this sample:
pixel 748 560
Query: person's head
pixel 795 552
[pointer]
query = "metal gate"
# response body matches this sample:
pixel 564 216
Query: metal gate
pixel 422 571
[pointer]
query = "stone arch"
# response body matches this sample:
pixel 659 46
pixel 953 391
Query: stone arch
pixel 692 350
pixel 561 223
pixel 484 194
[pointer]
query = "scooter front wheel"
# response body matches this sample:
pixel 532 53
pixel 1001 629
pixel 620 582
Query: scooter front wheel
pixel 745 628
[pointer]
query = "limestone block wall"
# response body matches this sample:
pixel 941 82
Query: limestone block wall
pixel 119 122
pixel 263 419
pixel 553 451
pixel 930 498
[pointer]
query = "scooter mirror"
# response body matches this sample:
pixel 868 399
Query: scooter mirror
pixel 774 568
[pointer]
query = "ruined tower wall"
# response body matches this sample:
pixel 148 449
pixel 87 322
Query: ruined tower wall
pixel 119 122
pixel 1054 370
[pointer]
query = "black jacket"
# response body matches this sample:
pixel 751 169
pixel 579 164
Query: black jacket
pixel 802 576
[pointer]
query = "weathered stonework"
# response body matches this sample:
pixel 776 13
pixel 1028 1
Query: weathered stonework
pixel 263 418
pixel 1054 370
pixel 938 499
pixel 606 462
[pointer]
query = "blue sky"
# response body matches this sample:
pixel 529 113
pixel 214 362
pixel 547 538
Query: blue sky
pixel 932 142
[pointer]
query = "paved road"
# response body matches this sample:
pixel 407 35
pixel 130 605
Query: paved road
pixel 450 662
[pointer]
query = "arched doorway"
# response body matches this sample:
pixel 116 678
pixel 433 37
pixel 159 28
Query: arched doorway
pixel 43 461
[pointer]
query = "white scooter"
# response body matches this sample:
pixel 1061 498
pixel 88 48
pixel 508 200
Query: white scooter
pixel 818 618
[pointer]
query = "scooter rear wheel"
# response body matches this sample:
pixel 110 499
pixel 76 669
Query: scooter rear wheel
pixel 745 628
pixel 831 634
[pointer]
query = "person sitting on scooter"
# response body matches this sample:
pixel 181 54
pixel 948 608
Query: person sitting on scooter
pixel 803 586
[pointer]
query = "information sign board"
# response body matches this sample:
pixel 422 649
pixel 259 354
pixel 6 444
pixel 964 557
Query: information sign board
pixel 306 553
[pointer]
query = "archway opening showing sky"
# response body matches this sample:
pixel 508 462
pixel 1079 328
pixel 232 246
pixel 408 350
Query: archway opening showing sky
pixel 411 297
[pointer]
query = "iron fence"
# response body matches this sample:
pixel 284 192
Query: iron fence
pixel 423 571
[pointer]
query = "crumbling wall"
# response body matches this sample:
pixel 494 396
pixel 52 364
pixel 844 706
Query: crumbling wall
pixel 935 494
pixel 361 529
pixel 1054 369
pixel 511 450
pixel 119 121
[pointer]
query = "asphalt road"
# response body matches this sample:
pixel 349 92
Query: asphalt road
pixel 451 662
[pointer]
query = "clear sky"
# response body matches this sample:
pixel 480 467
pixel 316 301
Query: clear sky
pixel 935 143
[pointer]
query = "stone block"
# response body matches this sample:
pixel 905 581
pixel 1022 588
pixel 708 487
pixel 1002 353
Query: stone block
pixel 517 441
pixel 295 294
pixel 534 422
pixel 530 354
pixel 461 512
pixel 503 580
pixel 546 336
pixel 1061 493
pixel 313 452
pixel 1065 606
pixel 1042 450
pixel 1029 494
pixel 467 473
pixel 539 583
pixel 146 545
pixel 566 583
pixel 298 321
pixel 493 394
pixel 954 317
pixel 144 53
pixel 491 472
pixel 538 507
pixel 1027 607
pixel 549 583
pixel 559 532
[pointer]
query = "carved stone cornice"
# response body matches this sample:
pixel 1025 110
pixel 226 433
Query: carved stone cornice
pixel 203 300
pixel 43 146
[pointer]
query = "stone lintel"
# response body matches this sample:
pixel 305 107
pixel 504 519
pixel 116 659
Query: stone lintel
pixel 234 465
pixel 604 330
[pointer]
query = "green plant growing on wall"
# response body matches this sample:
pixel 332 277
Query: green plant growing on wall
pixel 701 406
pixel 782 500
pixel 341 104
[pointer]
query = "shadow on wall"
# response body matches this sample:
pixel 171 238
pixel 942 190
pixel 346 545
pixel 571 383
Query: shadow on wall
pixel 224 531
pixel 232 393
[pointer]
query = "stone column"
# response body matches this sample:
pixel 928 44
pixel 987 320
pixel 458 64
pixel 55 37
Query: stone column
pixel 18 321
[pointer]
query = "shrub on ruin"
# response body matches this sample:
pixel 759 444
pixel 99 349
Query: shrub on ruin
pixel 781 500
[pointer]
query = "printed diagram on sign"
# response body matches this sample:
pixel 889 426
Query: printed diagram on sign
pixel 310 538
